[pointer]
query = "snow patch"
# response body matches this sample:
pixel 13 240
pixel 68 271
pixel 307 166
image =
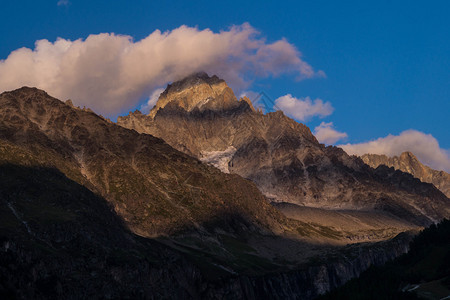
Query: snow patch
pixel 203 102
pixel 218 159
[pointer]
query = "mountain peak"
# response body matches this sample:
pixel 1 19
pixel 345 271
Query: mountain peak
pixel 26 90
pixel 408 156
pixel 196 91
pixel 193 80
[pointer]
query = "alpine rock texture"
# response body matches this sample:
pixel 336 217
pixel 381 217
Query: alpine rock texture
pixel 201 117
pixel 407 162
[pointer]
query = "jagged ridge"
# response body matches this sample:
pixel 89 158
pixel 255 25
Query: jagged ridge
pixel 408 162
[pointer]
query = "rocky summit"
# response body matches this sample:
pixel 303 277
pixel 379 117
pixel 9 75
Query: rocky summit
pixel 197 92
pixel 408 162
pixel 284 159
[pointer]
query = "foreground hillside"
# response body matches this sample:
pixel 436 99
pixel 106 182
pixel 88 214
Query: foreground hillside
pixel 423 272
pixel 91 209
pixel 60 240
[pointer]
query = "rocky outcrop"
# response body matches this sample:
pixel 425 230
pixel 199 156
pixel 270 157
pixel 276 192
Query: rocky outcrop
pixel 408 162
pixel 284 159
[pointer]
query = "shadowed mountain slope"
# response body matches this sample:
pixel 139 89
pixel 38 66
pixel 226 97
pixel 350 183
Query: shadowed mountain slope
pixel 60 240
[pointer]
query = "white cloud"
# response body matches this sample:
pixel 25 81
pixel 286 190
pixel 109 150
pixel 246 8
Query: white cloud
pixel 325 133
pixel 303 108
pixel 424 146
pixel 110 73
pixel 146 107
pixel 63 2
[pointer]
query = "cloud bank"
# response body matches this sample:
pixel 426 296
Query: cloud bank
pixel 303 108
pixel 326 134
pixel 110 73
pixel 424 146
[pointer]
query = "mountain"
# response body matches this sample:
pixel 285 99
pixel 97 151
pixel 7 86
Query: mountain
pixel 155 188
pixel 283 158
pixel 422 273
pixel 89 209
pixel 409 163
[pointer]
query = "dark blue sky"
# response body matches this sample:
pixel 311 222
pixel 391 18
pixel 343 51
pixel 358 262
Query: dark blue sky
pixel 387 62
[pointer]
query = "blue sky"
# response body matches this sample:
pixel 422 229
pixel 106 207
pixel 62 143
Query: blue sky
pixel 387 63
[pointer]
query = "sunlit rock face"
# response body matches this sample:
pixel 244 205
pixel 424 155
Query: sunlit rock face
pixel 408 162
pixel 280 155
pixel 198 91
